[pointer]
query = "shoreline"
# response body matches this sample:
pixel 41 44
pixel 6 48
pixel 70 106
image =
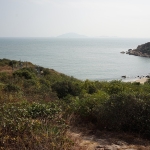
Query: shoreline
pixel 141 80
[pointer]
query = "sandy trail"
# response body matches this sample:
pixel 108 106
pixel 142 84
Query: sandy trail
pixel 102 140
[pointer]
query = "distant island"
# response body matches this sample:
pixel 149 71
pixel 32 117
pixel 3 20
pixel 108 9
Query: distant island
pixel 72 35
pixel 142 50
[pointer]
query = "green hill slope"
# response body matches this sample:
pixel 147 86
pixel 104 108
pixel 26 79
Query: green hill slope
pixel 38 105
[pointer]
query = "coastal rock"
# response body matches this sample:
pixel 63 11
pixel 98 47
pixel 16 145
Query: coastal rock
pixel 142 50
pixel 147 76
pixel 123 76
pixel 122 52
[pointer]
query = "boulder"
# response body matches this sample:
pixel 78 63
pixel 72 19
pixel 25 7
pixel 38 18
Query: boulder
pixel 123 76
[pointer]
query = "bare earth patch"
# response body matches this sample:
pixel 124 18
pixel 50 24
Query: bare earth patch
pixel 6 69
pixel 103 140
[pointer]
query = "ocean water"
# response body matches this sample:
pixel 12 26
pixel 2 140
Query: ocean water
pixel 89 58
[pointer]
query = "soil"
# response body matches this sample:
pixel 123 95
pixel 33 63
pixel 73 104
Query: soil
pixel 7 69
pixel 104 140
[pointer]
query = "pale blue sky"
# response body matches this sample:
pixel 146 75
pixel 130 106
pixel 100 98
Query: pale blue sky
pixel 48 18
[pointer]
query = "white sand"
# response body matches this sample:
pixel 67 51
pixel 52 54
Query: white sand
pixel 142 80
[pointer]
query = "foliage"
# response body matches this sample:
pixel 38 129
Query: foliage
pixel 127 112
pixel 89 87
pixel 148 81
pixel 4 62
pixel 25 73
pixel 41 107
pixel 88 106
pixel 43 124
pixel 5 77
pixel 13 62
pixel 11 88
pixel 144 48
pixel 46 72
pixel 63 88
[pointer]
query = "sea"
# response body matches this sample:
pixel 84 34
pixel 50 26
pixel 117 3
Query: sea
pixel 83 58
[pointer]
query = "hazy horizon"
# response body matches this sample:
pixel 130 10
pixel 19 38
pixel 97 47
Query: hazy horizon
pixel 92 18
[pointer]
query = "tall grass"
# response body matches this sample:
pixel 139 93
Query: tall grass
pixel 25 125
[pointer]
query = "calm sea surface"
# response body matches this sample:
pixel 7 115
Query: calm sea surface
pixel 94 59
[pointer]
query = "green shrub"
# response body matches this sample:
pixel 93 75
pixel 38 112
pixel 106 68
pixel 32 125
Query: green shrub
pixel 33 126
pixel 4 77
pixel 37 110
pixel 29 83
pixel 64 88
pixel 46 72
pixel 90 87
pixel 115 87
pixel 11 88
pixel 4 62
pixel 13 62
pixel 148 81
pixel 45 82
pixel 88 107
pixel 127 112
pixel 24 73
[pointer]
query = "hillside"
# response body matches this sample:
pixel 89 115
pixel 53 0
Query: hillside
pixel 142 50
pixel 56 111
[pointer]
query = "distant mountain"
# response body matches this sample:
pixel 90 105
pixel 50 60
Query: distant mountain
pixel 71 35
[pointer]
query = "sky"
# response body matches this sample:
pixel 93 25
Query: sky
pixel 93 18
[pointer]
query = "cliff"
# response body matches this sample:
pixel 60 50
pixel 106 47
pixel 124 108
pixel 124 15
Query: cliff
pixel 142 50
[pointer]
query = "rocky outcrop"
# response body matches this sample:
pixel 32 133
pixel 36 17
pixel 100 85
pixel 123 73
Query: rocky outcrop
pixel 122 52
pixel 142 50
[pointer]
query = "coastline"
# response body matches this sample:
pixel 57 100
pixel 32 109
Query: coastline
pixel 141 80
pixel 141 50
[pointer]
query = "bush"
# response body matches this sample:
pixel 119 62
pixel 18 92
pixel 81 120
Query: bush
pixel 64 88
pixel 90 87
pixel 11 88
pixel 88 107
pixel 4 77
pixel 46 72
pixel 45 82
pixel 4 62
pixel 115 87
pixel 148 81
pixel 37 110
pixel 29 83
pixel 127 112
pixel 13 62
pixel 33 126
pixel 25 73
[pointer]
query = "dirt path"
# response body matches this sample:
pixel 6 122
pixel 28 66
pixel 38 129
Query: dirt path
pixel 101 140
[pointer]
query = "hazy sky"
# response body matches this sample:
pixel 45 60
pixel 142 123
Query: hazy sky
pixel 46 18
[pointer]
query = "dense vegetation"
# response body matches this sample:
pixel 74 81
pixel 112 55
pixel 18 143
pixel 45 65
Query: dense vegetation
pixel 38 105
pixel 144 48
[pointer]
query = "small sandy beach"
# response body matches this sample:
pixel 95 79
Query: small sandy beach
pixel 142 80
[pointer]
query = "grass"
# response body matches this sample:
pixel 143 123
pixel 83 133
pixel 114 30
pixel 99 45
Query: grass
pixel 33 126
